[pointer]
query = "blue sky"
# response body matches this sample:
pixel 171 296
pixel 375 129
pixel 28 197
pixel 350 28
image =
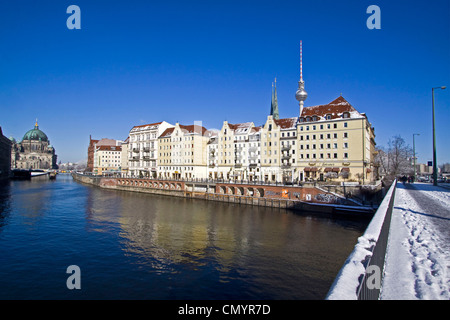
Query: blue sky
pixel 136 62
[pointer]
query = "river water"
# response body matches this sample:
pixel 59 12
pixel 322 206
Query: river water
pixel 140 246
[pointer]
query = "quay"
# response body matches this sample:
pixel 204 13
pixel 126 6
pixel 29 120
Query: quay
pixel 311 199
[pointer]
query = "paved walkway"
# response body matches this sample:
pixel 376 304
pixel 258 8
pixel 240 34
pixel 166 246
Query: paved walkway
pixel 418 256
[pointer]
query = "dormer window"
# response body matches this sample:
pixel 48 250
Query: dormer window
pixel 308 119
pixel 328 117
pixel 346 115
pixel 302 119
pixel 314 118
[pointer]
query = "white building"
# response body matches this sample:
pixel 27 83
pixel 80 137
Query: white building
pixel 143 149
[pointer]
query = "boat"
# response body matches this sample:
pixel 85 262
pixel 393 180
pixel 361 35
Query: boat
pixel 52 175
pixel 37 173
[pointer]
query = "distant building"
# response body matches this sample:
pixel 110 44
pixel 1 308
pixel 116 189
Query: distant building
pixel 5 156
pixel 107 160
pixel 34 151
pixel 104 155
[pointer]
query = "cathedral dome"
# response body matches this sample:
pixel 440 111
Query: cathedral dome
pixel 35 134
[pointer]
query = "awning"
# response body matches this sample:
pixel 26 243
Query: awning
pixel 368 170
pixel 312 169
pixel 345 170
pixel 328 169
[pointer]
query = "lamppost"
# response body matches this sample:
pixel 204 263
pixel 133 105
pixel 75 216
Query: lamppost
pixel 434 138
pixel 414 154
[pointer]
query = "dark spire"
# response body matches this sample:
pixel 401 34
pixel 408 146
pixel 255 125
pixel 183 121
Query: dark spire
pixel 274 105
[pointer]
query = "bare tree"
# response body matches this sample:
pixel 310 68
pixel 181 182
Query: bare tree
pixel 400 155
pixel 394 160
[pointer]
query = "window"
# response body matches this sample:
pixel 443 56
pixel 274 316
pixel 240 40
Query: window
pixel 345 145
pixel 335 125
pixel 335 155
pixel 345 155
pixel 345 135
pixel 345 125
pixel 328 117
pixel 335 135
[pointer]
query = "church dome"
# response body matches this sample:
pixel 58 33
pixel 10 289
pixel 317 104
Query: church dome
pixel 35 134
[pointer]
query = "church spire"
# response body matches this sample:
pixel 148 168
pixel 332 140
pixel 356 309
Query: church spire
pixel 36 125
pixel 274 105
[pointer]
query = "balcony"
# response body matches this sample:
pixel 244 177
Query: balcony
pixel 286 147
pixel 286 156
pixel 146 149
pixel 136 150
pixel 285 165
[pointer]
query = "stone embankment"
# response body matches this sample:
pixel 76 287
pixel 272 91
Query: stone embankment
pixel 276 196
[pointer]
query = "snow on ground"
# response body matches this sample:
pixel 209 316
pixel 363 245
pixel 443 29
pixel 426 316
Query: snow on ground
pixel 418 257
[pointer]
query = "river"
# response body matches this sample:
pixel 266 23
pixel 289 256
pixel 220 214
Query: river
pixel 141 246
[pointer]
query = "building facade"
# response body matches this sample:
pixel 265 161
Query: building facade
pixel 107 160
pixel 34 151
pixel 182 152
pixel 5 156
pixel 143 149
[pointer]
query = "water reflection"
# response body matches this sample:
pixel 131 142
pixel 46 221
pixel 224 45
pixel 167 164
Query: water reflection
pixel 255 246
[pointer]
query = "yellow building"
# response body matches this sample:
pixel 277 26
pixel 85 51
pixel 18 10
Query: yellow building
pixel 335 142
pixel 332 142
pixel 183 152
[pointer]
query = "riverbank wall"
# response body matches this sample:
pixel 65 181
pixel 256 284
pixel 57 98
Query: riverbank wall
pixel 311 199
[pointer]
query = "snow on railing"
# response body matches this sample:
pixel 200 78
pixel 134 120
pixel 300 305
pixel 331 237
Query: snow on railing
pixel 354 281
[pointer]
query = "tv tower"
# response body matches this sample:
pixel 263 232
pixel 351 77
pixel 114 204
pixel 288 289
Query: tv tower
pixel 301 94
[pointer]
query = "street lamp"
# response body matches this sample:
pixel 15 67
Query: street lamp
pixel 434 138
pixel 414 154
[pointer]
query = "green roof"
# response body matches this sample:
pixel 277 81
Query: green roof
pixel 35 134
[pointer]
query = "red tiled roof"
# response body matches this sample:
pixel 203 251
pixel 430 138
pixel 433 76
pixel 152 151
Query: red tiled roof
pixel 110 148
pixel 287 123
pixel 334 108
pixel 193 128
pixel 145 125
pixel 239 125
pixel 167 132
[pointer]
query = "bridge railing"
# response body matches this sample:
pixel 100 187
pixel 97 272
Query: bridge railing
pixel 362 274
